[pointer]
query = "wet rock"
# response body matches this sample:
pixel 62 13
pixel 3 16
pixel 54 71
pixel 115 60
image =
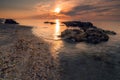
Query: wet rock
pixel 95 36
pixel 86 32
pixel 110 32
pixel 1 20
pixel 83 25
pixel 74 35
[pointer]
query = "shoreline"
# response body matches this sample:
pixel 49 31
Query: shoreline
pixel 25 56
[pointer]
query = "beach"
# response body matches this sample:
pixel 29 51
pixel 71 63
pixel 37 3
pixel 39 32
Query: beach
pixel 24 56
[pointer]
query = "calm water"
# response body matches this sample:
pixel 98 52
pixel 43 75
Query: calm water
pixel 50 33
pixel 76 60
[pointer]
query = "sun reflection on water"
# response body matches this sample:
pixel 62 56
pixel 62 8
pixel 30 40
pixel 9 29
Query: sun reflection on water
pixel 57 29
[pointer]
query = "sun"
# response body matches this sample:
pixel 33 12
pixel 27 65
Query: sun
pixel 57 10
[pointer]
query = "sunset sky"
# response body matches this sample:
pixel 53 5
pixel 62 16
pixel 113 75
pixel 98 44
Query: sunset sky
pixel 75 9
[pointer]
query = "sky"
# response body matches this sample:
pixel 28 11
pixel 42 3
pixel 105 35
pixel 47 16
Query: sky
pixel 70 9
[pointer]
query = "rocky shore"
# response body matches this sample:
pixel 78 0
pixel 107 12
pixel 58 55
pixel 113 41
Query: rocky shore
pixel 24 56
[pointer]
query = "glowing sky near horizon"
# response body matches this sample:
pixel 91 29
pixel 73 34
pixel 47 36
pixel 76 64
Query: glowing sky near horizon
pixel 77 9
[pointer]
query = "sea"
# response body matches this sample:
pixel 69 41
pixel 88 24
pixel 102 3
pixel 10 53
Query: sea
pixel 51 32
pixel 81 61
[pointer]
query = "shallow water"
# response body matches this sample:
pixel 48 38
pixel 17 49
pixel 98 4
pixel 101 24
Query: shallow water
pixel 50 33
pixel 78 61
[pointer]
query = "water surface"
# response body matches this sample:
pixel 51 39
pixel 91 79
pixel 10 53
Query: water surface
pixel 51 32
pixel 82 61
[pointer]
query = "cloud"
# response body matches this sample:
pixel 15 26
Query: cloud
pixel 99 8
pixel 79 9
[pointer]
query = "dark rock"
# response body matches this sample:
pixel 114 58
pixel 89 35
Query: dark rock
pixel 47 22
pixel 10 21
pixel 73 35
pixel 95 36
pixel 82 25
pixel 2 20
pixel 110 32
pixel 52 23
pixel 87 32
pixel 97 58
pixel 92 35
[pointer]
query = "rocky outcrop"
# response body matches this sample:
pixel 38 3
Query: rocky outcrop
pixel 87 32
pixel 73 35
pixel 47 22
pixel 1 20
pixel 10 21
pixel 82 25
pixel 95 36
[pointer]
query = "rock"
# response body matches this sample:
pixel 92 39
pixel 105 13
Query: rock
pixel 110 32
pixel 83 25
pixel 75 35
pixel 10 21
pixel 92 35
pixel 95 36
pixel 87 32
pixel 81 37
pixel 52 23
pixel 47 22
pixel 2 20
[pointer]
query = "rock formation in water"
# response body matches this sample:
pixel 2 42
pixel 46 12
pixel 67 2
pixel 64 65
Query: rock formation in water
pixel 47 22
pixel 8 21
pixel 87 32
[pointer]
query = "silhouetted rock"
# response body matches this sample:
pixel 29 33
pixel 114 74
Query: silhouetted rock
pixel 10 21
pixel 82 25
pixel 47 22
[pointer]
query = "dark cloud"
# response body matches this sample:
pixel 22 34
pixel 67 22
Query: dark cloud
pixel 77 9
pixel 101 8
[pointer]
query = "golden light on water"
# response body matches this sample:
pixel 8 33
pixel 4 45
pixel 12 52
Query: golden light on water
pixel 57 10
pixel 57 29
